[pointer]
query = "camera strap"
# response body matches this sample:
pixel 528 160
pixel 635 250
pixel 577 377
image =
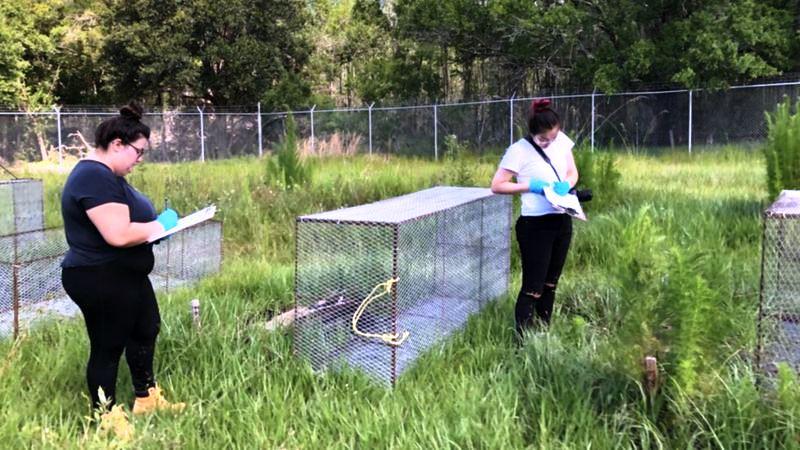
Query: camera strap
pixel 541 153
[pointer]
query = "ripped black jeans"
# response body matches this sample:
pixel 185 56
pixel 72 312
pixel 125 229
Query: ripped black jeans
pixel 543 245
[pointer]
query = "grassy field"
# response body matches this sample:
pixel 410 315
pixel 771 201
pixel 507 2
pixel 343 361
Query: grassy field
pixel 668 267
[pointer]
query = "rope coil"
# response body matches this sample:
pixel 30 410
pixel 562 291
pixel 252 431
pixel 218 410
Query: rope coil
pixel 395 339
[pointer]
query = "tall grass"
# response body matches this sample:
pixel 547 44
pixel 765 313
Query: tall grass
pixel 670 268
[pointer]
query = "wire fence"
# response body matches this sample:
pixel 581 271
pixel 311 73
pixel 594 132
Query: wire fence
pixel 635 121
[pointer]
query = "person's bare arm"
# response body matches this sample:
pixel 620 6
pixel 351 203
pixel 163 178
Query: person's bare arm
pixel 502 183
pixel 113 220
pixel 572 170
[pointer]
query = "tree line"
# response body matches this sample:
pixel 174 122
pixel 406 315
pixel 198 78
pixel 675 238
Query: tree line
pixel 295 53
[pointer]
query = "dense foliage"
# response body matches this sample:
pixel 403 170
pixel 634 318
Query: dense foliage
pixel 350 52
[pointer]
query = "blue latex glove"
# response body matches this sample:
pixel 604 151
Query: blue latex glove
pixel 168 218
pixel 537 186
pixel 561 187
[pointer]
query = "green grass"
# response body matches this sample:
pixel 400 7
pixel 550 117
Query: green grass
pixel 668 267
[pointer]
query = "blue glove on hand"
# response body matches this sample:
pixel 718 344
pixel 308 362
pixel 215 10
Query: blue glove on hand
pixel 537 186
pixel 168 218
pixel 561 187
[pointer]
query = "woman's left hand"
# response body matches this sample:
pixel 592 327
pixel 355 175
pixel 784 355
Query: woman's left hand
pixel 168 219
pixel 561 187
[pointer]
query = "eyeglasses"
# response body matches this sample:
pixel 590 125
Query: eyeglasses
pixel 139 151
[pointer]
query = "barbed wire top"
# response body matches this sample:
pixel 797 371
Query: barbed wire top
pixel 787 204
pixel 404 208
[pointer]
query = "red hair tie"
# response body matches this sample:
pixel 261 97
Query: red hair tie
pixel 540 104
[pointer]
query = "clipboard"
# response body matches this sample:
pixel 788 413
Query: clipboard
pixel 186 222
pixel 566 203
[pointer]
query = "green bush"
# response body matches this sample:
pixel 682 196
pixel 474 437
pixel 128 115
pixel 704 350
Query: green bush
pixel 783 149
pixel 460 168
pixel 286 167
pixel 598 172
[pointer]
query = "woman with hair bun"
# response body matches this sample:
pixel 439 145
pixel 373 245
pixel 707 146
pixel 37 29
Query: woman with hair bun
pixel 105 271
pixel 542 159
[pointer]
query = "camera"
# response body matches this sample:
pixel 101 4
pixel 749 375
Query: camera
pixel 584 195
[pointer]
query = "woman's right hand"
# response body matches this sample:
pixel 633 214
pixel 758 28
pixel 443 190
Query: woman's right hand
pixel 537 186
pixel 168 219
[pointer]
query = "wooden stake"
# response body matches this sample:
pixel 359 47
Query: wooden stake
pixel 651 374
pixel 194 306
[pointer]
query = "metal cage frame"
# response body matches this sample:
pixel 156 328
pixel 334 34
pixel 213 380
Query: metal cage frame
pixel 30 265
pixel 448 250
pixel 778 327
pixel 20 221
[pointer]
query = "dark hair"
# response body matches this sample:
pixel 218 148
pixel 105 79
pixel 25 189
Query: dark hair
pixel 127 127
pixel 541 117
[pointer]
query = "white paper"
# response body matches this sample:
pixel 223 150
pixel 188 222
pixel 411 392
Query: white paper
pixel 186 222
pixel 567 203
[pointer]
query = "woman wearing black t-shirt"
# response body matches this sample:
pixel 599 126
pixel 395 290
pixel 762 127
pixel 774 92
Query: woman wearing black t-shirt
pixel 105 271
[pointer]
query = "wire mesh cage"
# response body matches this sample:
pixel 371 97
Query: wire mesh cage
pixel 188 256
pixel 30 277
pixel 21 206
pixel 779 310
pixel 437 256
pixel 30 270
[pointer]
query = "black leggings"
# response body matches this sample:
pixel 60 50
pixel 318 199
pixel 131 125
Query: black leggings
pixel 121 313
pixel 543 245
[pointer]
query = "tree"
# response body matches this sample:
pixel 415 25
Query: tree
pixel 83 74
pixel 27 73
pixel 217 53
pixel 12 62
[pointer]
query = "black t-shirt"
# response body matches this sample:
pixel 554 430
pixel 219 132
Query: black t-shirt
pixel 92 183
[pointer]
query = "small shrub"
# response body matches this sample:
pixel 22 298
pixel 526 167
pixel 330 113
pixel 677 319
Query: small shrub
pixel 286 166
pixel 599 173
pixel 459 168
pixel 782 151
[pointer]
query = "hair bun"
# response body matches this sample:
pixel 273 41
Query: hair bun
pixel 540 104
pixel 132 111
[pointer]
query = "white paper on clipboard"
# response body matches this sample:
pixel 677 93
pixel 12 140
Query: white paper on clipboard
pixel 568 203
pixel 186 222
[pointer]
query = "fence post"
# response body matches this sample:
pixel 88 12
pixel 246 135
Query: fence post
pixel 435 132
pixel 370 127
pixel 260 144
pixel 690 121
pixel 58 127
pixel 15 294
pixel 511 118
pixel 312 128
pixel 202 136
pixel 594 115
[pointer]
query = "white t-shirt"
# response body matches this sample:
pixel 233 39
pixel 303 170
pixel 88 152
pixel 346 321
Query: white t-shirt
pixel 522 159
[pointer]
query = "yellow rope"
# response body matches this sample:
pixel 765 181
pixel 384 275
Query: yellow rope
pixel 395 339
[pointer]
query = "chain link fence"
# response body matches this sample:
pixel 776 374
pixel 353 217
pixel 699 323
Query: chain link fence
pixel 379 284
pixel 634 121
pixel 779 310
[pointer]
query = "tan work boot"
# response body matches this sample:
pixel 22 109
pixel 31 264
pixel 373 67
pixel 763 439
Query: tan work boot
pixel 116 422
pixel 155 402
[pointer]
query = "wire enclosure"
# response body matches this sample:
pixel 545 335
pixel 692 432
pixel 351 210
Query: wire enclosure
pixel 447 247
pixel 779 308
